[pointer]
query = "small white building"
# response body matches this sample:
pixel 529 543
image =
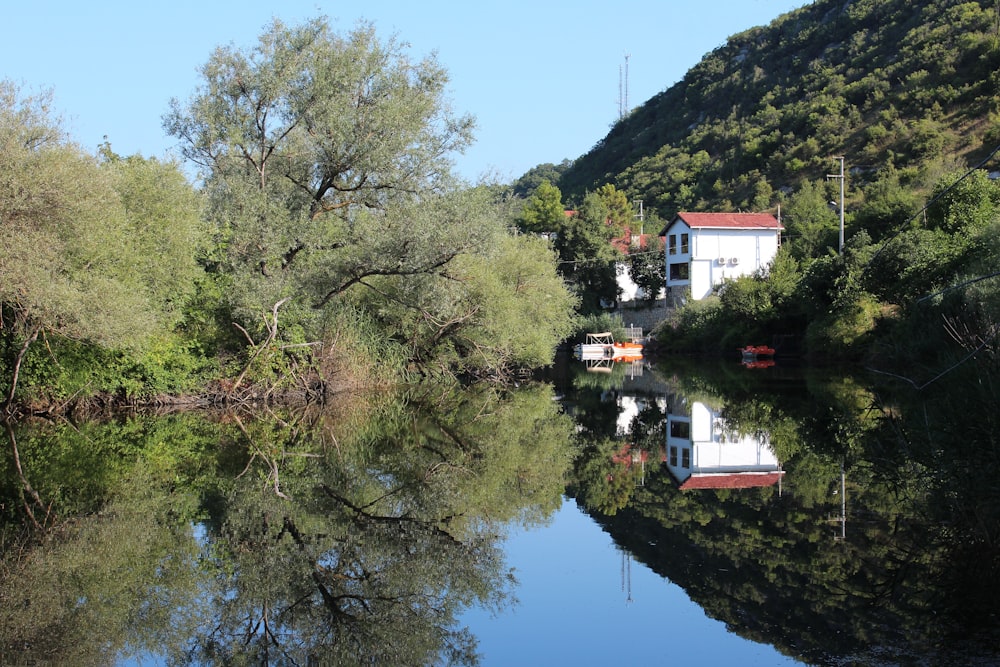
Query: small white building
pixel 702 453
pixel 628 291
pixel 703 249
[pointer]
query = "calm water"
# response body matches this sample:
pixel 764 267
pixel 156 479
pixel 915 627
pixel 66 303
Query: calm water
pixel 585 601
pixel 632 515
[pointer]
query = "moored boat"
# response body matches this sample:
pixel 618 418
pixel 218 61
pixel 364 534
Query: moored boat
pixel 753 352
pixel 602 346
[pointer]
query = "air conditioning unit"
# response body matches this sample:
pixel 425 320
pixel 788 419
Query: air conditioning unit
pixel 721 261
pixel 734 261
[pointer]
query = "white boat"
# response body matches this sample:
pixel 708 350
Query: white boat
pixel 602 346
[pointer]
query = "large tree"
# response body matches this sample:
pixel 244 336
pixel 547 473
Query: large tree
pixel 543 211
pixel 306 141
pixel 94 252
pixel 327 163
pixel 587 257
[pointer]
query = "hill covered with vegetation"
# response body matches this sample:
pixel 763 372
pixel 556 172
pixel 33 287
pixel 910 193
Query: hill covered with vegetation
pixel 883 82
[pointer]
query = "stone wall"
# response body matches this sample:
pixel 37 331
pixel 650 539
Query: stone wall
pixel 633 314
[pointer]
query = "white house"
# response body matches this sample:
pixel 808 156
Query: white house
pixel 703 249
pixel 702 453
pixel 627 289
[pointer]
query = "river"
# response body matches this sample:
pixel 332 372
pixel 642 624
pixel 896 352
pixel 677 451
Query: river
pixel 708 514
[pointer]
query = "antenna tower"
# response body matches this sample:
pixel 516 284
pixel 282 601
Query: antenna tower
pixel 623 89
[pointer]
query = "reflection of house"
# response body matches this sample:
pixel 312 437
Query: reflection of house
pixel 703 249
pixel 702 455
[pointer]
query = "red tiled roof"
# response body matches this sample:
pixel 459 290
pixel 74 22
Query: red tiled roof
pixel 624 242
pixel 737 480
pixel 730 220
pixel 624 456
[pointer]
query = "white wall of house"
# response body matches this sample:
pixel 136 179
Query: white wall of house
pixel 713 255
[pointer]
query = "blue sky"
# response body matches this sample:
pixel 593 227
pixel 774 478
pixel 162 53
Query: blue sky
pixel 542 78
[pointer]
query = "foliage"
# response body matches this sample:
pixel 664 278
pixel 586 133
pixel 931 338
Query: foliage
pixel 812 227
pixel 528 184
pixel 646 267
pixel 587 259
pixel 543 211
pixel 964 203
pixel 102 253
pixel 888 204
pixel 307 140
pixel 697 327
pixel 327 166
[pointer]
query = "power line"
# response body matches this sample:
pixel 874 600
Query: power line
pixel 609 261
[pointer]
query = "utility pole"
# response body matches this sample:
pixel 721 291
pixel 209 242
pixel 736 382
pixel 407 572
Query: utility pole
pixel 841 177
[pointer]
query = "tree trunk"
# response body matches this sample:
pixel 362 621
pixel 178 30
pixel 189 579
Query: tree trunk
pixel 8 405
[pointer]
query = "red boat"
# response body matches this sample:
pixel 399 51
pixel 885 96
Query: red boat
pixel 756 352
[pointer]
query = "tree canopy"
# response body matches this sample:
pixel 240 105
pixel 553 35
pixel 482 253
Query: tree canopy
pixel 327 163
pixel 91 251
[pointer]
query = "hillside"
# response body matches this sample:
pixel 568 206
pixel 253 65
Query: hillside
pixel 882 82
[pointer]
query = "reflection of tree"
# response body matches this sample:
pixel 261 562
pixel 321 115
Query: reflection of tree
pixel 600 482
pixel 608 465
pixel 106 581
pixel 321 539
pixel 372 552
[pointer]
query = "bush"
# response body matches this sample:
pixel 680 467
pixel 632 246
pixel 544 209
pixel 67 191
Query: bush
pixel 599 322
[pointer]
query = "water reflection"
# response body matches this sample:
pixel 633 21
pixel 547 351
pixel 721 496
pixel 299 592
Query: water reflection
pixel 839 521
pixel 333 538
pixel 762 473
pixel 704 453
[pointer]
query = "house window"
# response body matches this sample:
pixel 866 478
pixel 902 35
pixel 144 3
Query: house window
pixel 686 458
pixel 673 244
pixel 684 244
pixel 680 430
pixel 673 456
pixel 679 271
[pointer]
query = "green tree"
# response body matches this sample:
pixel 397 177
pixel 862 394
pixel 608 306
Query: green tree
pixel 619 209
pixel 100 254
pixel 163 221
pixel 964 203
pixel 887 205
pixel 812 225
pixel 526 185
pixel 543 211
pixel 327 164
pixel 647 268
pixel 587 257
pixel 307 140
pixel 763 295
